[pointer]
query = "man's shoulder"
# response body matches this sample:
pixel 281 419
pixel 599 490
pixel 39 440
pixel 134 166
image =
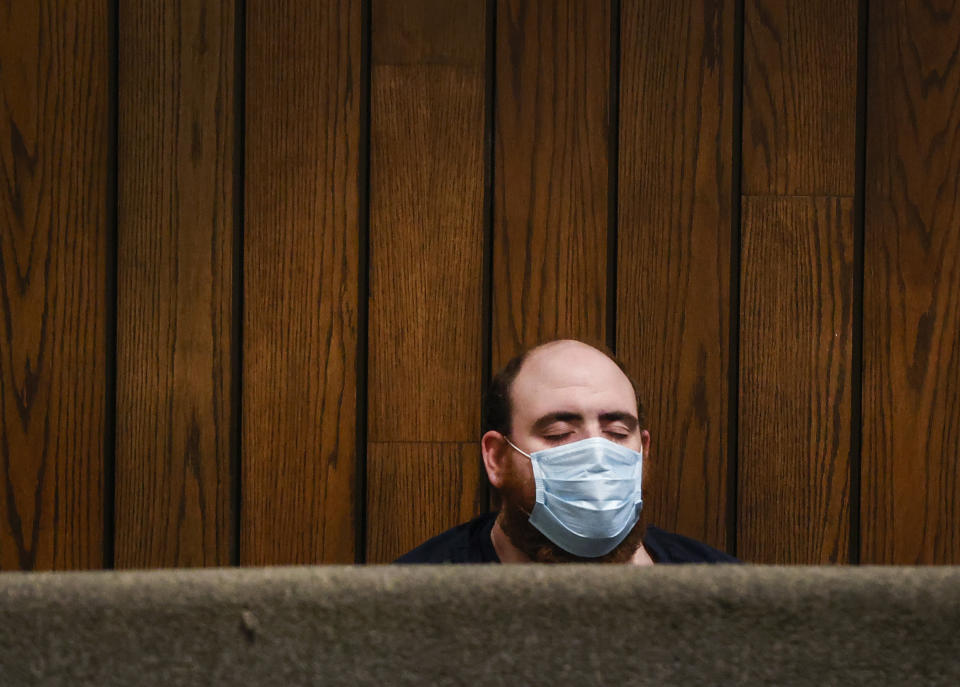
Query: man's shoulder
pixel 667 547
pixel 466 543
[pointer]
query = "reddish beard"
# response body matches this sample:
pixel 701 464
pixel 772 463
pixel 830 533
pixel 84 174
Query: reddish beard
pixel 514 519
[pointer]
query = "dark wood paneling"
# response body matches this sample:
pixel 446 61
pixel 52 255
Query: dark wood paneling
pixel 176 99
pixel 551 168
pixel 422 32
pixel 425 488
pixel 799 97
pixel 175 285
pixel 300 281
pixel 911 329
pixel 673 260
pixel 426 231
pixel 799 139
pixel 426 256
pixel 795 380
pixel 54 144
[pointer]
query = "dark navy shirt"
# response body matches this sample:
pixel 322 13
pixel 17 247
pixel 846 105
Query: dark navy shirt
pixel 471 543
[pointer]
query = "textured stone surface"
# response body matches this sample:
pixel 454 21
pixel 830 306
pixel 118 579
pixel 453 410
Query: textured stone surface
pixel 482 625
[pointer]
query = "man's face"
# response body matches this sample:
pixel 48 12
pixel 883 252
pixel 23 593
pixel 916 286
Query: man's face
pixel 565 391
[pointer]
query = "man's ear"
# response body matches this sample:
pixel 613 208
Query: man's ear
pixel 496 453
pixel 645 441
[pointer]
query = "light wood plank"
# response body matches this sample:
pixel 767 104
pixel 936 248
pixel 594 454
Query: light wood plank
pixel 551 167
pixel 911 317
pixel 795 380
pixel 300 281
pixel 432 487
pixel 175 281
pixel 426 227
pixel 54 145
pixel 799 97
pixel 673 258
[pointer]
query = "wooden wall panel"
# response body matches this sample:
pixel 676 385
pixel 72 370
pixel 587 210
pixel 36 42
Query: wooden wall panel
pixel 426 257
pixel 799 97
pixel 423 488
pixel 911 327
pixel 673 258
pixel 300 260
pixel 426 213
pixel 795 380
pixel 551 196
pixel 551 155
pixel 795 412
pixel 175 283
pixel 54 145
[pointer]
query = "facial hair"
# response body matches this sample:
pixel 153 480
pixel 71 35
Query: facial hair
pixel 514 520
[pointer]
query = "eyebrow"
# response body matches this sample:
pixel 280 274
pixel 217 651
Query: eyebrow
pixel 628 419
pixel 548 419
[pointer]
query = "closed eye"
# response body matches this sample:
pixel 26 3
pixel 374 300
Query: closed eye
pixel 557 437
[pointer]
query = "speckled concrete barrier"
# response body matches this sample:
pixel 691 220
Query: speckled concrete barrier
pixel 482 625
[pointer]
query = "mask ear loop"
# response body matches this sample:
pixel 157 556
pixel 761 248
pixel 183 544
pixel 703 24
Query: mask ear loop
pixel 539 487
pixel 514 447
pixel 537 474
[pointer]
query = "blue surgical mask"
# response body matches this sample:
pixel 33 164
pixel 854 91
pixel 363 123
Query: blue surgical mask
pixel 588 494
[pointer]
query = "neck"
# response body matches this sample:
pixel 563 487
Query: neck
pixel 508 553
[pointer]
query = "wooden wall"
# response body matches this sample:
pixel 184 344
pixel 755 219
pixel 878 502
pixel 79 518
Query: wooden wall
pixel 258 260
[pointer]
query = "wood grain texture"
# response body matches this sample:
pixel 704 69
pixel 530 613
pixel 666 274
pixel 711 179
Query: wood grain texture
pixel 300 281
pixel 421 32
pixel 795 380
pixel 673 258
pixel 426 228
pixel 175 284
pixel 433 487
pixel 799 97
pixel 911 323
pixel 551 167
pixel 54 144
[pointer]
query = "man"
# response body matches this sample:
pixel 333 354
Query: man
pixel 565 446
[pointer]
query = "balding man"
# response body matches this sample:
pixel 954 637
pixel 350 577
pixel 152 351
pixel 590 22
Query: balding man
pixel 565 445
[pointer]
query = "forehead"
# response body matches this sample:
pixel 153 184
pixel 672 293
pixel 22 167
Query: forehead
pixel 569 376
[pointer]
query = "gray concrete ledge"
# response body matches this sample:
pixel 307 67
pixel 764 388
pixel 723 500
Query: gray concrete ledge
pixel 482 625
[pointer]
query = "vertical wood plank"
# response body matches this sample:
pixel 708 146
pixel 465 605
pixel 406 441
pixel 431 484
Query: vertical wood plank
pixel 795 380
pixel 175 286
pixel 799 143
pixel 426 256
pixel 673 259
pixel 911 370
pixel 799 97
pixel 426 212
pixel 432 487
pixel 54 143
pixel 300 281
pixel 551 167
